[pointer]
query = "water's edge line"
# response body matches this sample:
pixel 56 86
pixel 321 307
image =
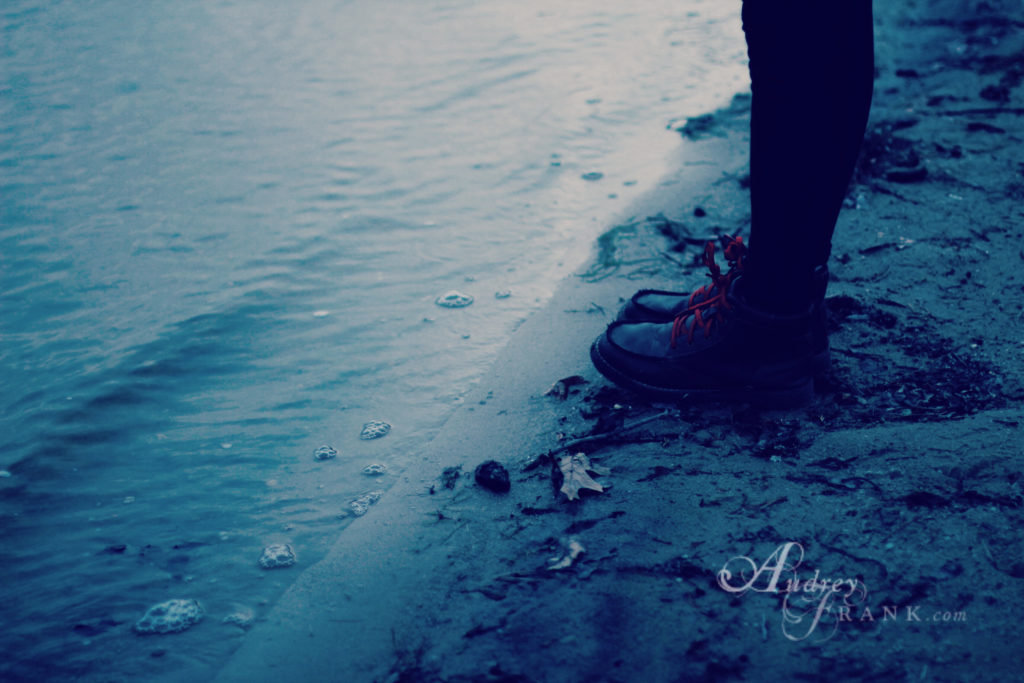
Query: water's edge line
pixel 386 532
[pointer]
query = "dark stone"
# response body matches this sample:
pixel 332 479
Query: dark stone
pixel 493 476
pixel 115 549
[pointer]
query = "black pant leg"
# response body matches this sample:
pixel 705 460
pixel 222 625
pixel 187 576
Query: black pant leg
pixel 812 71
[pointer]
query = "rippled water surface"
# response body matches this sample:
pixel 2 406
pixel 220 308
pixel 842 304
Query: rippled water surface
pixel 223 226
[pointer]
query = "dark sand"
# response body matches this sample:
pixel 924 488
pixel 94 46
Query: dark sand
pixel 904 475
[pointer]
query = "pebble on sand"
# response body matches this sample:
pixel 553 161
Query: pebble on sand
pixel 492 476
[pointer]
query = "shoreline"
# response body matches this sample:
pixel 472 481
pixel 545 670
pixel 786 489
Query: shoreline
pixel 900 475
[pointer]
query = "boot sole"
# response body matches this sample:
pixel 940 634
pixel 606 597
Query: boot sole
pixel 794 396
pixel 821 362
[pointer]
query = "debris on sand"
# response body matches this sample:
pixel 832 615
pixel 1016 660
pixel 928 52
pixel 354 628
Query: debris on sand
pixel 493 476
pixel 574 471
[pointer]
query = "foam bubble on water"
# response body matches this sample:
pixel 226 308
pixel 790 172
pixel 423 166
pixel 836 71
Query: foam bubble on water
pixel 374 429
pixel 375 470
pixel 277 555
pixel 361 505
pixel 454 299
pixel 325 452
pixel 171 616
pixel 242 617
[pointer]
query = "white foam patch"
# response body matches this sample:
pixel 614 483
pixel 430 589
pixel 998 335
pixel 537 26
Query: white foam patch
pixel 374 430
pixel 324 453
pixel 361 505
pixel 171 616
pixel 277 555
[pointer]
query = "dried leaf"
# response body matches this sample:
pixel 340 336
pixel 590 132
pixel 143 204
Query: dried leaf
pixel 573 550
pixel 574 471
pixel 560 389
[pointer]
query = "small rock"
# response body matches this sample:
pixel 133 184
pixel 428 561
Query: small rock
pixel 454 299
pixel 492 476
pixel 503 294
pixel 324 453
pixel 374 429
pixel 594 175
pixel 277 555
pixel 375 470
pixel 171 616
pixel 115 549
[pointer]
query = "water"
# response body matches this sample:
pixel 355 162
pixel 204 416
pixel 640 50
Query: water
pixel 223 226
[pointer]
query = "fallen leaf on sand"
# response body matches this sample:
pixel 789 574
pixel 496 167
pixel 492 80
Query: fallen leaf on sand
pixel 560 389
pixel 572 550
pixel 574 470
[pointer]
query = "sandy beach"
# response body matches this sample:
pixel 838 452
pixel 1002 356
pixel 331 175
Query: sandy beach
pixel 889 510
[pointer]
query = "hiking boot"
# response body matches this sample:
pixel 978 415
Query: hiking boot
pixel 658 305
pixel 720 349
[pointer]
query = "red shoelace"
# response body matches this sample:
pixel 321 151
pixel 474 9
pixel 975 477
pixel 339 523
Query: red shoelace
pixel 702 317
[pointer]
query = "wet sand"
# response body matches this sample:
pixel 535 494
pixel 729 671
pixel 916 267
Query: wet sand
pixel 903 478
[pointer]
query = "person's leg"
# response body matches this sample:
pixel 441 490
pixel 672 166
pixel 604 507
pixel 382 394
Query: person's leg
pixel 758 333
pixel 812 70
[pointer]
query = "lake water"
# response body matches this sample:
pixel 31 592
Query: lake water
pixel 223 227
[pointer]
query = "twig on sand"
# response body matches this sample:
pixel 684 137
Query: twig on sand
pixel 598 437
pixel 575 443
